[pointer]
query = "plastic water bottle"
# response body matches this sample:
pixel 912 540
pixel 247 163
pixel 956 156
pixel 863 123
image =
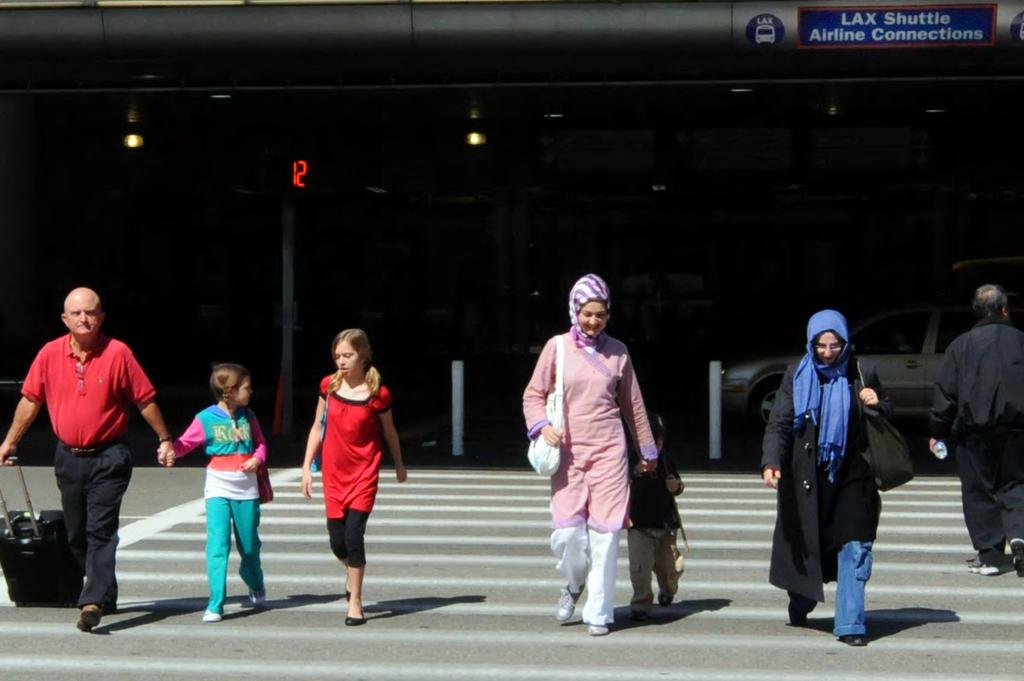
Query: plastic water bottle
pixel 939 450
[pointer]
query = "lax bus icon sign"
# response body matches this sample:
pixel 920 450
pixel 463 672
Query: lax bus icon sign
pixel 765 30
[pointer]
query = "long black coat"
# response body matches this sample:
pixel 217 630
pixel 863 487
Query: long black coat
pixel 816 517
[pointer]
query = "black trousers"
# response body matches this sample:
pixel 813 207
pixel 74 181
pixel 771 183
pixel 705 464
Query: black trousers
pixel 347 537
pixel 91 488
pixel 991 468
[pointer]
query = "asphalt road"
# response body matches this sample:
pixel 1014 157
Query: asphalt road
pixel 461 585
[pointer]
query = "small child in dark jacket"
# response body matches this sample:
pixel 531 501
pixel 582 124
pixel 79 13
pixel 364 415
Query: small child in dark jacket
pixel 654 522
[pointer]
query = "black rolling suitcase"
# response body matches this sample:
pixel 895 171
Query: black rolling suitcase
pixel 35 556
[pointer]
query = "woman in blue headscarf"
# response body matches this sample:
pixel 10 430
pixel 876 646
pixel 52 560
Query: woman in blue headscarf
pixel 828 504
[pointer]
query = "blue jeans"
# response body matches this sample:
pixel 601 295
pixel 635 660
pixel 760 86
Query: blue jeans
pixel 854 572
pixel 221 513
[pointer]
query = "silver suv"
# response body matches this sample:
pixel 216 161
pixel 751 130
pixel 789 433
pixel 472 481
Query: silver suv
pixel 905 345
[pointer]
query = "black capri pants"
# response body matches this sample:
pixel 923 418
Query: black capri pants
pixel 347 537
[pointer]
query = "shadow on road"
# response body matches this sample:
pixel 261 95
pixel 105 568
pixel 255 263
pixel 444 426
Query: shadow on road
pixel 149 613
pixel 883 623
pixel 408 606
pixel 660 615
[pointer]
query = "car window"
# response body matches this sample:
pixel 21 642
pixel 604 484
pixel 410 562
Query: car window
pixel 951 325
pixel 901 334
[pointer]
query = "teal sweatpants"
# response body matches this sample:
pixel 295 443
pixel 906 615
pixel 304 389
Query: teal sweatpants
pixel 245 514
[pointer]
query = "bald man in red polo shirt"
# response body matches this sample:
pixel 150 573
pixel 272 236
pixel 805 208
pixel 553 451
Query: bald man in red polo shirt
pixel 88 382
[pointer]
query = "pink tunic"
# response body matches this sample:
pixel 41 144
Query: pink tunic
pixel 591 485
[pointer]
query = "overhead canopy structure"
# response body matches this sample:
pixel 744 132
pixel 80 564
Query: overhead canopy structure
pixel 97 44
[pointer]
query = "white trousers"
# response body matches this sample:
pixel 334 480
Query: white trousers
pixel 591 557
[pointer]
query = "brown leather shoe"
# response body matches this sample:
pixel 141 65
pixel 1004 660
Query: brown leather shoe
pixel 89 617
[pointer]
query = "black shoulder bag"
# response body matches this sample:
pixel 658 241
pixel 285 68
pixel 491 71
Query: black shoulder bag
pixel 887 452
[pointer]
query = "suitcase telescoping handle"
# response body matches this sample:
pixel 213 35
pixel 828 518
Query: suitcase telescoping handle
pixel 7 515
pixel 28 504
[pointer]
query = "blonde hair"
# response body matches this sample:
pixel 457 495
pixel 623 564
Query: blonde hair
pixel 360 342
pixel 225 378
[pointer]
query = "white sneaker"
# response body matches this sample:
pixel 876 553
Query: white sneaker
pixel 597 630
pixel 566 605
pixel 984 569
pixel 211 616
pixel 257 597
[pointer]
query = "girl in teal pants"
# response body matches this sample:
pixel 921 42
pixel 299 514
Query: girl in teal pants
pixel 236 447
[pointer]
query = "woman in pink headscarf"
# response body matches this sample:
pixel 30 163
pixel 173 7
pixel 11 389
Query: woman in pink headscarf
pixel 590 489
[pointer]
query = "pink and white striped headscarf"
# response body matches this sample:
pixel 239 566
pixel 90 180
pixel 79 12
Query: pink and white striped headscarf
pixel 588 288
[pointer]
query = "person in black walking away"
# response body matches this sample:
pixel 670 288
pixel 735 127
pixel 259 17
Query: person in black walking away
pixel 654 523
pixel 978 402
pixel 88 382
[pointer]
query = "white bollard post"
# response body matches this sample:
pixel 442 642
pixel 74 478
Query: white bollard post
pixel 458 406
pixel 715 410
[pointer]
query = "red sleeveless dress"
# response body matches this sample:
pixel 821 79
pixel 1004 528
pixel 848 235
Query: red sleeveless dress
pixel 352 450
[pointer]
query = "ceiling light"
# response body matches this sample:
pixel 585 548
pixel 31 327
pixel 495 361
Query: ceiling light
pixel 476 139
pixel 475 112
pixel 377 190
pixel 741 90
pixel 935 111
pixel 554 115
pixel 658 187
pixel 220 95
pixel 833 109
pixel 133 141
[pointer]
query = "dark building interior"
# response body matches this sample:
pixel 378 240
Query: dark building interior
pixel 721 213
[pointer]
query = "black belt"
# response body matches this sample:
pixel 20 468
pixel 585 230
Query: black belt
pixel 94 449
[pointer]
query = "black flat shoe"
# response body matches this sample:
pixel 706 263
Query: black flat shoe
pixel 348 594
pixel 354 621
pixel 855 640
pixel 797 618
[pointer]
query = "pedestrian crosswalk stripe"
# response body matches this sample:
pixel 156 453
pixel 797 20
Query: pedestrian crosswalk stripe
pixel 756 489
pixel 754 478
pixel 435 582
pixel 389 507
pixel 690 500
pixel 309 669
pixel 886 528
pixel 505 560
pixel 555 636
pixel 376 538
pixel 463 607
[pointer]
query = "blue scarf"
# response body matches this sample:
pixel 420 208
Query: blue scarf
pixel 829 408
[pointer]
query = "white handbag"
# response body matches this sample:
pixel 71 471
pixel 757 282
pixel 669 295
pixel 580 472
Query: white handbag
pixel 543 457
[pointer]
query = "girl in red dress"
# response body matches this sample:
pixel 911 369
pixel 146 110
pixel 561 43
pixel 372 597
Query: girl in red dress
pixel 359 420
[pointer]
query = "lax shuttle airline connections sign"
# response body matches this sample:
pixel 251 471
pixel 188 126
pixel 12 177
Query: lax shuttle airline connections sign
pixel 908 26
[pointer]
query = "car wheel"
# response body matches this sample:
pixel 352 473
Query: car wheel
pixel 761 401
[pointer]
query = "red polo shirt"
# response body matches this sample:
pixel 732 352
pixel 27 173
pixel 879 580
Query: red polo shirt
pixel 91 406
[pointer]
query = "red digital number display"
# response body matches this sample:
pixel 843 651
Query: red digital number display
pixel 300 168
